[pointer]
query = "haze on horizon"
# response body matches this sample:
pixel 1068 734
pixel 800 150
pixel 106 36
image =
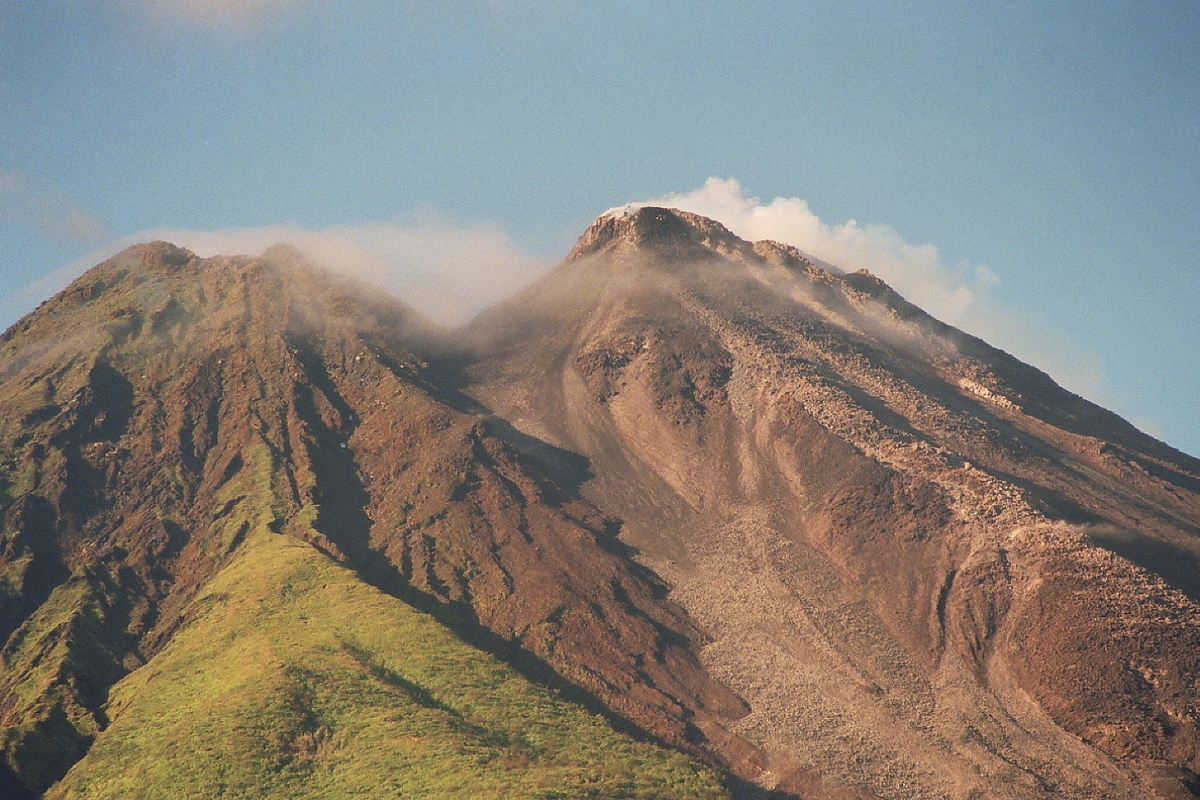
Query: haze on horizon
pixel 1027 173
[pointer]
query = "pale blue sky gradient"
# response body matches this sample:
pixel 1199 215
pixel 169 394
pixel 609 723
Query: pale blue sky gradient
pixel 1056 144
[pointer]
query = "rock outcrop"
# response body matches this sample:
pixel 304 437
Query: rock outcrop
pixel 929 570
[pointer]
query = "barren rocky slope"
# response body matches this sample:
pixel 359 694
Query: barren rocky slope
pixel 930 571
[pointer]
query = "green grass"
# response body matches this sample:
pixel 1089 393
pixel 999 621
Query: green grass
pixel 46 669
pixel 294 679
pixel 62 641
pixel 252 490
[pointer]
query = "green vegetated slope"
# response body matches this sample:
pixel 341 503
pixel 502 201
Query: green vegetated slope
pixel 294 679
pixel 54 672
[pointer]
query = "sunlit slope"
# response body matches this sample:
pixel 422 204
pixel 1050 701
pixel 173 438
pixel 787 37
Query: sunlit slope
pixel 294 679
pixel 928 570
pixel 165 407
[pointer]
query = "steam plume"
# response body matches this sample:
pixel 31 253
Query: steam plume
pixel 448 272
pixel 957 296
pixel 915 271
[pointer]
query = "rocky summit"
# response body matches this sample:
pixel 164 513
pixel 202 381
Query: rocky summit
pixel 691 516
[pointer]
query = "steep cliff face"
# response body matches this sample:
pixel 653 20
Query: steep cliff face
pixel 165 408
pixel 929 570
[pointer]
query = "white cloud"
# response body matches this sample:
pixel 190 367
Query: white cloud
pixel 448 272
pixel 957 296
pixel 37 206
pixel 451 272
pixel 915 271
pixel 221 14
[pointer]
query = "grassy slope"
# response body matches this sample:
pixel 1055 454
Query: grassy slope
pixel 54 665
pixel 294 679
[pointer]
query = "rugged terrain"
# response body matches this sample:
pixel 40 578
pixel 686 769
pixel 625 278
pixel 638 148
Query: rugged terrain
pixel 929 570
pixel 165 411
pixel 686 499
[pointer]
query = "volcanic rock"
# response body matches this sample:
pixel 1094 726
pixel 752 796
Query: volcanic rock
pixel 929 570
pixel 740 503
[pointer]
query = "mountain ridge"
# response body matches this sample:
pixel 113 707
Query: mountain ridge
pixel 313 408
pixel 741 504
pixel 952 441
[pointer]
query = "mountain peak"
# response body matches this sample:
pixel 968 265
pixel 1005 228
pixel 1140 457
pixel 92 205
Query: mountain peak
pixel 644 227
pixel 159 253
pixel 741 503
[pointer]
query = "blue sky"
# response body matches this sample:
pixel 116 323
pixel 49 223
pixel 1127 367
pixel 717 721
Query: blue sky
pixel 1028 171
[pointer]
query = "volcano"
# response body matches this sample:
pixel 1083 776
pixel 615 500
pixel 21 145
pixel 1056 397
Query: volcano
pixel 689 517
